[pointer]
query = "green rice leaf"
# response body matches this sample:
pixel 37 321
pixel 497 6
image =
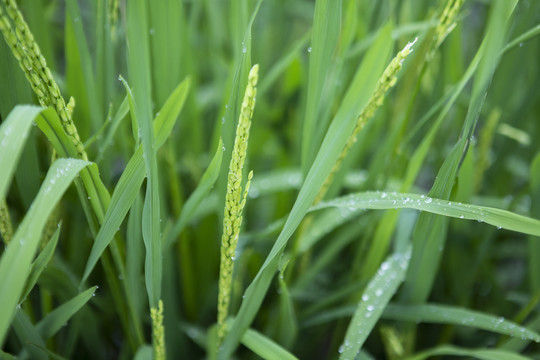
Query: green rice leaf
pixel 326 223
pixel 374 300
pixel 482 354
pixel 32 341
pixel 121 113
pixel 6 356
pixel 166 117
pixel 265 347
pixel 94 192
pixel 443 314
pixel 203 188
pixel 84 79
pixel 54 321
pixel 145 352
pixel 41 263
pixel 392 200
pixel 13 134
pixel 139 71
pixel 133 176
pixel 287 321
pixel 15 261
pixel 326 28
pixel 123 196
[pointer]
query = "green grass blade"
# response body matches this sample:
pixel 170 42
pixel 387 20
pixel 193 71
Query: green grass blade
pixel 203 188
pixel 287 321
pixel 6 356
pixel 144 353
pixel 374 300
pixel 482 354
pixel 133 176
pixel 41 262
pixel 265 347
pixel 13 134
pixel 443 314
pixel 85 80
pixel 326 28
pixel 135 258
pixel 28 335
pixel 167 27
pixel 139 67
pixel 534 244
pixel 275 181
pixel 123 196
pixel 61 315
pixel 166 117
pixel 15 261
pixel 382 200
pixel 121 113
pixel 338 133
pixel 325 224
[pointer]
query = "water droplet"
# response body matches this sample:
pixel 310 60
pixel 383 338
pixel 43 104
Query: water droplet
pixel 152 31
pixel 370 308
pixel 309 49
pixel 365 297
pixel 378 292
pixel 428 200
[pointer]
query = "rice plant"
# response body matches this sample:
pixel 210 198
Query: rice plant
pixel 302 179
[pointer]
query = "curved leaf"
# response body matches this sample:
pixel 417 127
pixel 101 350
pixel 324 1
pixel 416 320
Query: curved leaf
pixel 382 200
pixel 443 314
pixel 15 261
pixel 13 133
pixel 374 300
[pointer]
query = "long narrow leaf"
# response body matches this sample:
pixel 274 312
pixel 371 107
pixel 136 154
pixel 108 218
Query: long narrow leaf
pixel 15 261
pixel 265 347
pixel 482 354
pixel 133 176
pixel 13 133
pixel 442 314
pixel 61 315
pixel 374 300
pixel 382 200
pixel 205 185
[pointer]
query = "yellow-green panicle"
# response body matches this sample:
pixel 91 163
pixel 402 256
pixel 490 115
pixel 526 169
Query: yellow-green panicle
pixel 385 83
pixel 158 332
pixel 235 200
pixel 33 64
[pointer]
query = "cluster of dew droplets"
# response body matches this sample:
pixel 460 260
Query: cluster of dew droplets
pixel 61 171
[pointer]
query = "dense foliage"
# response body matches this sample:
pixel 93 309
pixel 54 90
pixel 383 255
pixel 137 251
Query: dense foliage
pixel 351 179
